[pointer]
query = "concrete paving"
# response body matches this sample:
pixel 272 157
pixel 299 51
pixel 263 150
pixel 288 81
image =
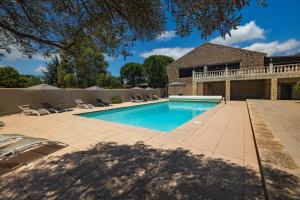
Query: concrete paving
pixel 283 117
pixel 214 159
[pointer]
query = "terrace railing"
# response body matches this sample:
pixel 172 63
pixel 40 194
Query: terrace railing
pixel 258 72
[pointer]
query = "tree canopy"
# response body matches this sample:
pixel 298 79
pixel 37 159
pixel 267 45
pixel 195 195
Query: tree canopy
pixel 10 78
pixel 50 76
pixel 132 74
pixel 76 71
pixel 156 70
pixel 54 25
pixel 108 81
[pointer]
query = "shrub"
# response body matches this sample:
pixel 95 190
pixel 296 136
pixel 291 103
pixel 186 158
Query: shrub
pixel 116 99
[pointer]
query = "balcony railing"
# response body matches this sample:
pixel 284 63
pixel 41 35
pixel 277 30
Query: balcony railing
pixel 249 72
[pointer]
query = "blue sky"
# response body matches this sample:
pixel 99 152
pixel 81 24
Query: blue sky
pixel 274 30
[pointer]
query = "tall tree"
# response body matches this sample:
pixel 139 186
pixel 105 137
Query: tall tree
pixel 88 64
pixel 85 67
pixel 50 75
pixel 132 74
pixel 45 26
pixel 156 70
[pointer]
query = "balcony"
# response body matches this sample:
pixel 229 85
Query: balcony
pixel 263 72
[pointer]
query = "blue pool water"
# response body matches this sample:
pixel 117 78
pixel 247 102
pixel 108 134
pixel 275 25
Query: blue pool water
pixel 164 116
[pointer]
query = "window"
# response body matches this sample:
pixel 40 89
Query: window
pixel 188 72
pixel 185 72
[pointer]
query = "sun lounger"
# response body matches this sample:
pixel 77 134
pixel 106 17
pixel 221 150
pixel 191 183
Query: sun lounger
pixel 134 100
pixel 81 104
pixel 102 102
pixel 149 98
pixel 27 110
pixel 6 137
pixel 53 109
pixel 156 97
pixel 22 145
pixel 140 98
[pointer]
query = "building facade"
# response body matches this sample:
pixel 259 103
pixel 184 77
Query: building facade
pixel 235 73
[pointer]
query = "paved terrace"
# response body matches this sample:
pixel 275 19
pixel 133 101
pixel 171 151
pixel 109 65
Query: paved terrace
pixel 214 159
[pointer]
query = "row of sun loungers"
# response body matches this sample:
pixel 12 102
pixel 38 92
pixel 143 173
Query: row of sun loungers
pixel 139 99
pixel 48 108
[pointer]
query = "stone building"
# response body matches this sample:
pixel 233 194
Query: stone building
pixel 235 73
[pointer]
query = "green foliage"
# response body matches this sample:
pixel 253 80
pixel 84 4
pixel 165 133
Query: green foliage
pixel 50 76
pixel 116 99
pixel 30 80
pixel 108 81
pixel 132 74
pixel 87 65
pixel 10 78
pixel 297 86
pixel 49 26
pixel 156 70
pixel 84 67
pixel 69 80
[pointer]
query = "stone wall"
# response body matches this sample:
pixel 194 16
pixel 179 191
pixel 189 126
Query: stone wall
pixel 11 98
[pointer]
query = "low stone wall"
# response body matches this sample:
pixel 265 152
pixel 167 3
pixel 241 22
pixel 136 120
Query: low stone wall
pixel 11 98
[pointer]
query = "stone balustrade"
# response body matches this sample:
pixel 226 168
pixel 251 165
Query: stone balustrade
pixel 262 72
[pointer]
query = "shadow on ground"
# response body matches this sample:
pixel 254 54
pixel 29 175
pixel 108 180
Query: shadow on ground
pixel 111 171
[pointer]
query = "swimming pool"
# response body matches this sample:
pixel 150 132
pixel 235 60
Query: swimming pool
pixel 164 116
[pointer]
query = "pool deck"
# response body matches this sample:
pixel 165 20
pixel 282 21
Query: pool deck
pixel 221 140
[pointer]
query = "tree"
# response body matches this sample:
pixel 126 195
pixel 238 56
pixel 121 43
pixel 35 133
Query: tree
pixel 297 54
pixel 50 75
pixel 156 70
pixel 87 65
pixel 132 74
pixel 49 26
pixel 64 70
pixel 10 78
pixel 108 81
pixel 30 80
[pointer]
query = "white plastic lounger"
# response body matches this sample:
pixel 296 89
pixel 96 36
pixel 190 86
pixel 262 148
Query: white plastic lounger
pixel 6 137
pixel 27 110
pixel 196 98
pixel 81 104
pixel 133 99
pixel 22 145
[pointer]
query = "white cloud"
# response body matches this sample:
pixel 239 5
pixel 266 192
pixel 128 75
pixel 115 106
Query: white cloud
pixel 289 47
pixel 175 52
pixel 249 31
pixel 41 69
pixel 15 54
pixel 167 35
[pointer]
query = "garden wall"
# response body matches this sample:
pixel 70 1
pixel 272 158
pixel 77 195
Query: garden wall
pixel 11 98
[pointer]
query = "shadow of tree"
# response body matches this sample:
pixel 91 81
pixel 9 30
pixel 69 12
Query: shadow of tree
pixel 111 171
